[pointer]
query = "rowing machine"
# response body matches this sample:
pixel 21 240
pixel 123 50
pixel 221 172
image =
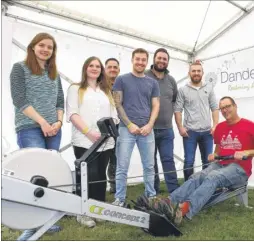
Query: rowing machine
pixel 34 194
pixel 240 191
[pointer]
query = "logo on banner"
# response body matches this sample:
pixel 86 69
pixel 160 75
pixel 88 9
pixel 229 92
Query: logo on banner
pixel 239 80
pixel 211 78
pixel 233 75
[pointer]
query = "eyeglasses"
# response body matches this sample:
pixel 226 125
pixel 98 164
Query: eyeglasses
pixel 226 107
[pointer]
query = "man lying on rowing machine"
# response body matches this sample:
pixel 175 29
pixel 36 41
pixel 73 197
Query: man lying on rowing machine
pixel 235 137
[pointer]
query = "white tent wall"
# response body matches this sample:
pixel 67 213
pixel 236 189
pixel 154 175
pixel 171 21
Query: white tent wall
pixel 241 62
pixel 8 134
pixel 72 52
pixel 238 37
pixel 83 29
pixel 239 86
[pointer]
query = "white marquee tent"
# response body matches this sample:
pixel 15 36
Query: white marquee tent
pixel 220 33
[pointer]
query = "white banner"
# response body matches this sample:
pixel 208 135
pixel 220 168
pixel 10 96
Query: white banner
pixel 232 75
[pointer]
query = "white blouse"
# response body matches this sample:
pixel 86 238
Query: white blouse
pixel 95 105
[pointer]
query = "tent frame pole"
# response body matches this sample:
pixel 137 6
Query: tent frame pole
pixel 55 11
pixel 233 22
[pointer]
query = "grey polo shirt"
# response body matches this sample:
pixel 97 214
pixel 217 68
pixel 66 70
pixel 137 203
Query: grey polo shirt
pixel 197 105
pixel 168 91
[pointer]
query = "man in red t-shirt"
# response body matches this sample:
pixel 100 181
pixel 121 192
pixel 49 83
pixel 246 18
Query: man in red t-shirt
pixel 235 136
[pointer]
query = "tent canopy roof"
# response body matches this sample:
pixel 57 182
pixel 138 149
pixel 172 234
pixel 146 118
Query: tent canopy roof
pixel 183 26
pixel 179 22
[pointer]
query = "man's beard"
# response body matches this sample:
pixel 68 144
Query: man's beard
pixel 196 81
pixel 155 66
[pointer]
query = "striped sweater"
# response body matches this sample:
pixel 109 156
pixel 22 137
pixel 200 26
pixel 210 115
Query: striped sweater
pixel 43 94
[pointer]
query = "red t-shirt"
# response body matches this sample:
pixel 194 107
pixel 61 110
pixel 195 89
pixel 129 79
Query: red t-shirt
pixel 235 137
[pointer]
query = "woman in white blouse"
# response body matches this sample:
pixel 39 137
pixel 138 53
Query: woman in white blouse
pixel 87 102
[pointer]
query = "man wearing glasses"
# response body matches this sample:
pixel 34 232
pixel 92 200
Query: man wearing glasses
pixel 235 136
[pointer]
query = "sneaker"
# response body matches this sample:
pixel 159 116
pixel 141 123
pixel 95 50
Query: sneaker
pixel 99 220
pixel 85 220
pixel 172 211
pixel 177 211
pixel 55 228
pixel 178 215
pixel 117 202
pixel 29 232
pixel 112 190
pixel 152 198
pixel 26 234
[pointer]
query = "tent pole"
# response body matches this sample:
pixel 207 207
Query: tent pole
pixel 80 34
pixel 4 8
pixel 227 53
pixel 52 10
pixel 237 5
pixel 217 35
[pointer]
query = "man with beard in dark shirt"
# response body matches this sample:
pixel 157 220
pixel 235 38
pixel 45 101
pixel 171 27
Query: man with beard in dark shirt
pixel 163 129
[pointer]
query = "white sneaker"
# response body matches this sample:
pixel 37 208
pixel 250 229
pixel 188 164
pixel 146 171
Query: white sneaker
pixel 85 220
pixel 152 198
pixel 117 202
pixel 99 220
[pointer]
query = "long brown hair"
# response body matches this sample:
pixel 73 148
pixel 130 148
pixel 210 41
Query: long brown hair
pixel 101 80
pixel 32 62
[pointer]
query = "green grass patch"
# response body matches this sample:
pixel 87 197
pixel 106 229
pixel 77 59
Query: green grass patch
pixel 224 221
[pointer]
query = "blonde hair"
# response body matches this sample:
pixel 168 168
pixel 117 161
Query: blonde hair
pixel 81 93
pixel 102 80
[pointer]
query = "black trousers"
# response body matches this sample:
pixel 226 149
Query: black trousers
pixel 112 167
pixel 96 170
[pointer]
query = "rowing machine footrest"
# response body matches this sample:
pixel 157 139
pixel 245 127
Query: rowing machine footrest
pixel 159 225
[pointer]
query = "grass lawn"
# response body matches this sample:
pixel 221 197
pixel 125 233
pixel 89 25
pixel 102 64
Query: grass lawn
pixel 224 221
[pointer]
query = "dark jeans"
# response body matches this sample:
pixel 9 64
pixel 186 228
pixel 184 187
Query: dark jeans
pixel 96 170
pixel 205 142
pixel 34 137
pixel 164 142
pixel 111 172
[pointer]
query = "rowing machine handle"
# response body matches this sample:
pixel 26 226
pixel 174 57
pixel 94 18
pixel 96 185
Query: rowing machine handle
pixel 228 157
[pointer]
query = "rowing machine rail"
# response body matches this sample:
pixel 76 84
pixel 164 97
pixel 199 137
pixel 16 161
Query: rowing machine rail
pixel 19 199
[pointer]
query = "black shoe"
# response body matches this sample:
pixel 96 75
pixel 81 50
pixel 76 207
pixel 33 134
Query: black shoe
pixel 112 190
pixel 188 172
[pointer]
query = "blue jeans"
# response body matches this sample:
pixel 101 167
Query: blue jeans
pixel 124 147
pixel 164 142
pixel 201 186
pixel 34 137
pixel 205 142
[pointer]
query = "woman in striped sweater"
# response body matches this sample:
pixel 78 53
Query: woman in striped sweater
pixel 38 99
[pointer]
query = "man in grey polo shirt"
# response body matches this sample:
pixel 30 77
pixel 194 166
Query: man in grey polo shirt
pixel 197 99
pixel 163 129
